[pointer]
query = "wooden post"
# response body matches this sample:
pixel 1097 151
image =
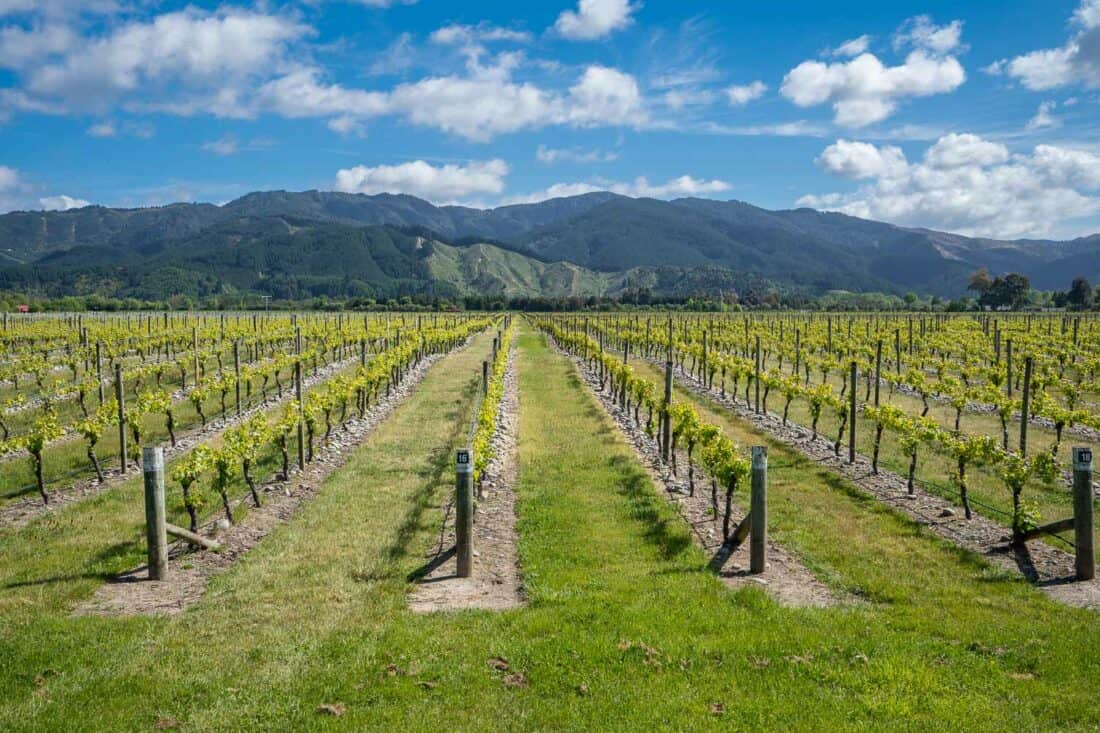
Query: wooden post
pixel 156 536
pixel 484 378
pixel 758 511
pixel 878 368
pixel 1082 513
pixel 464 512
pixel 1025 406
pixel 897 351
pixel 852 414
pixel 756 381
pixel 1008 365
pixel 301 415
pixel 99 369
pixel 237 373
pixel 195 352
pixel 666 428
pixel 120 397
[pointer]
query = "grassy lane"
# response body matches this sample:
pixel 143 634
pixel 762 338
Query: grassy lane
pixel 316 613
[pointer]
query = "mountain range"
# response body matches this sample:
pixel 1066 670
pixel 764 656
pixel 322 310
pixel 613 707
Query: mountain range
pixel 294 245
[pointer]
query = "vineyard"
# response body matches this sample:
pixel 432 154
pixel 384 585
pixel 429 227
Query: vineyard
pixel 777 520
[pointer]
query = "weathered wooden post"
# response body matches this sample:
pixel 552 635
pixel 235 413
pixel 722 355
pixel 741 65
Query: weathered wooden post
pixel 1082 513
pixel 464 512
pixel 237 374
pixel 195 352
pixel 756 381
pixel 1008 366
pixel 484 378
pixel 758 511
pixel 878 368
pixel 666 428
pixel 854 374
pixel 156 535
pixel 1025 406
pixel 99 369
pixel 301 414
pixel 120 398
pixel 897 351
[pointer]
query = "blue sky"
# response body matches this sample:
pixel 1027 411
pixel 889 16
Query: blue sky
pixel 976 117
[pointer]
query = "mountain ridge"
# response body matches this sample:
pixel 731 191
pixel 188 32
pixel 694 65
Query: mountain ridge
pixel 617 238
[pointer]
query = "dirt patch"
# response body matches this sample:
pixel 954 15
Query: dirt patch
pixel 785 578
pixel 1047 567
pixel 496 584
pixel 133 594
pixel 23 511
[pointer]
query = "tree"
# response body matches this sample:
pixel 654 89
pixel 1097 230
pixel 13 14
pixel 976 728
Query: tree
pixel 1080 294
pixel 1010 291
pixel 980 281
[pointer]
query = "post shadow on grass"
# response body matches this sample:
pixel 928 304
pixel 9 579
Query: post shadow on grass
pixel 432 475
pixel 645 505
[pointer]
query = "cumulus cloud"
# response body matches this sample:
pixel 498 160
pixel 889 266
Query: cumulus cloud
pixel 202 56
pixel 62 203
pixel 858 160
pixel 739 95
pixel 863 91
pixel 920 32
pixel 1076 62
pixel 595 19
pixel 443 184
pixel 852 47
pixel 1044 117
pixel 965 184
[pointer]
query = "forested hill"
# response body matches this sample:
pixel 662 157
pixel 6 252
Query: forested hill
pixel 300 244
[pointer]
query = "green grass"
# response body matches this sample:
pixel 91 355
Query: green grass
pixel 316 612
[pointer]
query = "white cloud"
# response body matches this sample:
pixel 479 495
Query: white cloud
pixel 549 156
pixel 466 34
pixel 1076 62
pixel 9 179
pixel 1043 117
pixel 203 57
pixel 968 185
pixel 62 203
pixel 605 96
pixel 852 47
pixel 595 19
pixel 739 95
pixel 864 91
pixel 223 146
pixel 960 150
pixel 640 187
pixel 920 32
pixel 443 184
pixel 347 126
pixel 103 129
pixel 858 160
